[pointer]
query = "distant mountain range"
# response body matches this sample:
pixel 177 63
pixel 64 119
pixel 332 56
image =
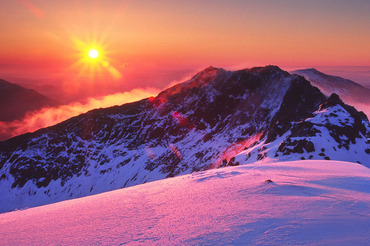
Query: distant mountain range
pixel 348 90
pixel 217 118
pixel 16 101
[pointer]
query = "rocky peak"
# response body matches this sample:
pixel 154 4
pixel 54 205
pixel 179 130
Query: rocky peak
pixel 192 126
pixel 335 100
pixel 268 70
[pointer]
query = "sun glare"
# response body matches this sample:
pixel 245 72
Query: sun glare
pixel 93 60
pixel 93 53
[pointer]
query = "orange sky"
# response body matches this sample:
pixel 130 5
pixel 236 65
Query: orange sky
pixel 151 43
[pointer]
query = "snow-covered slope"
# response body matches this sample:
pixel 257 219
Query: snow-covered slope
pixel 196 125
pixel 308 203
pixel 329 134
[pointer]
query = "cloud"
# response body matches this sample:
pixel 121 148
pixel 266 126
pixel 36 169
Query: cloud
pixel 32 8
pixel 364 107
pixel 51 116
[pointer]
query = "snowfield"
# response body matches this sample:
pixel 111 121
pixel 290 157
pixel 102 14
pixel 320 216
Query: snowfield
pixel 311 202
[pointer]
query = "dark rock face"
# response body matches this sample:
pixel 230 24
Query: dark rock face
pixel 190 127
pixel 296 146
pixel 300 101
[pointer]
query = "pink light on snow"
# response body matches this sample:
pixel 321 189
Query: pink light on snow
pixel 236 148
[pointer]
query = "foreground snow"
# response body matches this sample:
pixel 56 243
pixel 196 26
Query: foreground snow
pixel 308 202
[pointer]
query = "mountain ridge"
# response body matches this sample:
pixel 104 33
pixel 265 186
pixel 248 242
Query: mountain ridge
pixel 16 101
pixel 256 114
pixel 349 91
pixel 307 71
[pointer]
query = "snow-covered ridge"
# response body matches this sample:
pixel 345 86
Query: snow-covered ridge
pixel 307 203
pixel 331 133
pixel 193 126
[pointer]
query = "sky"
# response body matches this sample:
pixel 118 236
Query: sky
pixel 143 43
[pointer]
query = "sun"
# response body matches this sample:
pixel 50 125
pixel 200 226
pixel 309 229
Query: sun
pixel 93 60
pixel 93 53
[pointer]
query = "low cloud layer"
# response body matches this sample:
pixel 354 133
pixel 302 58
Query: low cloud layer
pixel 361 107
pixel 51 116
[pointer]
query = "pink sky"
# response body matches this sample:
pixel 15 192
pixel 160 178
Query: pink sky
pixel 152 43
